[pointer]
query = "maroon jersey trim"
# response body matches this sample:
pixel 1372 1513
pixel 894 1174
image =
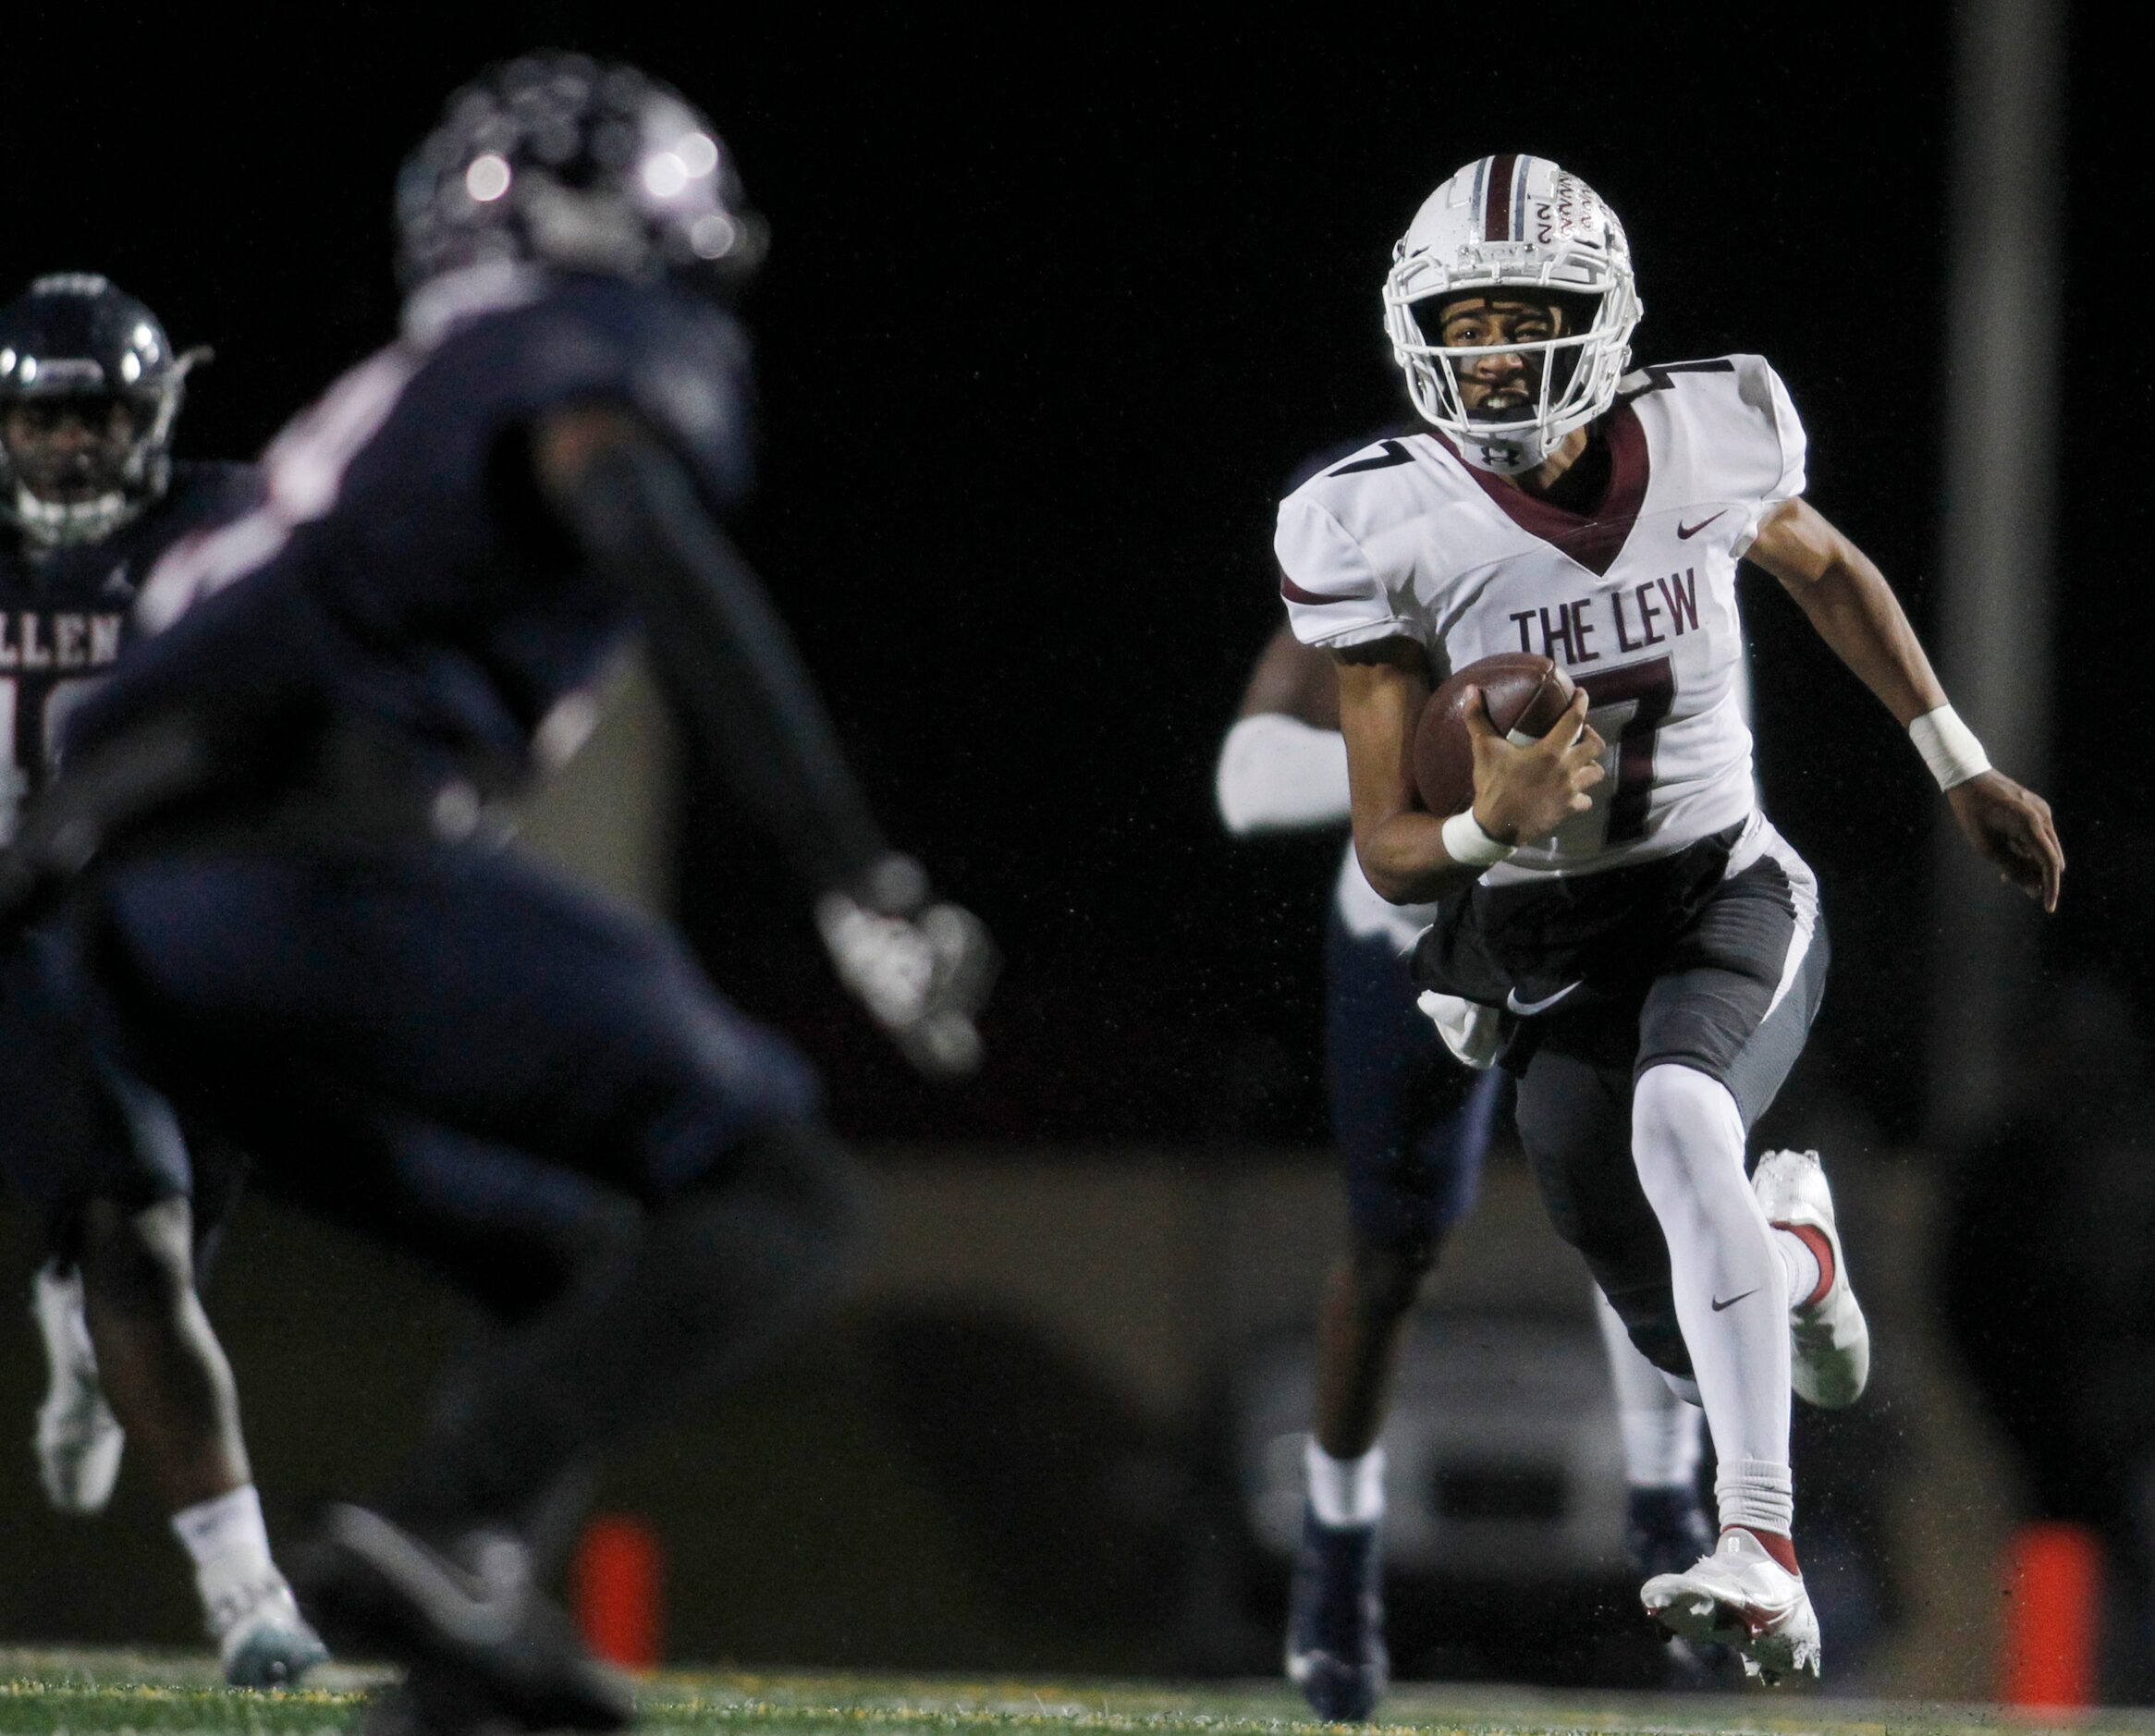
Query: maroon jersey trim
pixel 1295 594
pixel 1594 538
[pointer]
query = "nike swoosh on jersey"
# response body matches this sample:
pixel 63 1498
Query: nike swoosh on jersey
pixel 1734 1300
pixel 1527 1008
pixel 1685 532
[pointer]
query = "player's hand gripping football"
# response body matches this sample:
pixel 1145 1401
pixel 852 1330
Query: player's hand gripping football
pixel 922 968
pixel 2011 828
pixel 1522 794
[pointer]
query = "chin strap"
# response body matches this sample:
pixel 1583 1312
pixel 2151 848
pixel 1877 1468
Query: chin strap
pixel 1499 461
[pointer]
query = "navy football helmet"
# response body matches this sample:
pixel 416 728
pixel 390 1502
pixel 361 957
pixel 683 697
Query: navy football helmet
pixel 558 160
pixel 102 387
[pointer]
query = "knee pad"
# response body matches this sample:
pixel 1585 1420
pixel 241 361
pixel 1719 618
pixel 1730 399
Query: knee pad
pixel 1687 1142
pixel 1678 1107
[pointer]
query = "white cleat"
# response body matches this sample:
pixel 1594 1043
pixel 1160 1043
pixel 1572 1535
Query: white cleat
pixel 263 1640
pixel 79 1439
pixel 1828 1339
pixel 1741 1597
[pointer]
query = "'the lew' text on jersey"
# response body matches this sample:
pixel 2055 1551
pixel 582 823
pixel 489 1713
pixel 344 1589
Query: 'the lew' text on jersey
pixel 1637 601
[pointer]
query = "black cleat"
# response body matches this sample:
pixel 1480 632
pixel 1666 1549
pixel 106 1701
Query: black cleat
pixel 1335 1621
pixel 484 1649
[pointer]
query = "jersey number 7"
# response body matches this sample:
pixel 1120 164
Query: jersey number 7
pixel 1627 705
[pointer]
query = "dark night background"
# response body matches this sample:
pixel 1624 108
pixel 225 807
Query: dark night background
pixel 1053 307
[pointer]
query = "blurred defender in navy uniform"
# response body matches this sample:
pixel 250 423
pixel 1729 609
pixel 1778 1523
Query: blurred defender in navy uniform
pixel 89 497
pixel 275 842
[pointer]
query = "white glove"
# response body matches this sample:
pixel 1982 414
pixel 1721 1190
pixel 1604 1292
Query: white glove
pixel 923 970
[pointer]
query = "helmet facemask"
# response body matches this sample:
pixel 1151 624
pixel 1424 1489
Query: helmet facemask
pixel 1568 378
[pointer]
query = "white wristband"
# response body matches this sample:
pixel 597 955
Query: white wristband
pixel 1949 746
pixel 1467 844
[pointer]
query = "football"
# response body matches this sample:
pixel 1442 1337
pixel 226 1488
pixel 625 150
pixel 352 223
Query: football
pixel 1525 695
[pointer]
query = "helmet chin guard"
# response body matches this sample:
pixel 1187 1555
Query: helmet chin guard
pixel 1523 223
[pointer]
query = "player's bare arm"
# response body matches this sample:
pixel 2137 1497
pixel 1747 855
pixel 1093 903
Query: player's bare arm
pixel 1521 793
pixel 1293 680
pixel 716 646
pixel 1854 611
pixel 920 968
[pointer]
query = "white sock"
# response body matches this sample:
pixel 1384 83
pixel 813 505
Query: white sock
pixel 1801 1264
pixel 1757 1495
pixel 1661 1430
pixel 1345 1491
pixel 1731 1288
pixel 226 1536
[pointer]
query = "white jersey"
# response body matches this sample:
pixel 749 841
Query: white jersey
pixel 1636 602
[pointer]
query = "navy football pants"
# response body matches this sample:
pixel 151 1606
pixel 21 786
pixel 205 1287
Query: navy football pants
pixel 1412 1124
pixel 75 1128
pixel 457 1054
pixel 456 1027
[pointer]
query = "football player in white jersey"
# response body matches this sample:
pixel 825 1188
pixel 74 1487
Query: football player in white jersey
pixel 1614 891
pixel 1413 1126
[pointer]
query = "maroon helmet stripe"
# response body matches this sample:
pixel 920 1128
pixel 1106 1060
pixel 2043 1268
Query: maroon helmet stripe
pixel 1593 539
pixel 1497 207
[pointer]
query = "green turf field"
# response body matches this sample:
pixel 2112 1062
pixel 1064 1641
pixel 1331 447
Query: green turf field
pixel 43 1691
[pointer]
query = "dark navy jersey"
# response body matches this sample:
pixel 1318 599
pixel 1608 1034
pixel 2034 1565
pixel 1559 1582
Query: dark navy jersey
pixel 402 572
pixel 63 613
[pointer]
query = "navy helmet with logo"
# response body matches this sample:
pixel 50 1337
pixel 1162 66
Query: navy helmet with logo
pixel 75 339
pixel 560 161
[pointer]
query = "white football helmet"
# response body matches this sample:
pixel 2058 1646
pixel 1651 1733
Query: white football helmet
pixel 1519 223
